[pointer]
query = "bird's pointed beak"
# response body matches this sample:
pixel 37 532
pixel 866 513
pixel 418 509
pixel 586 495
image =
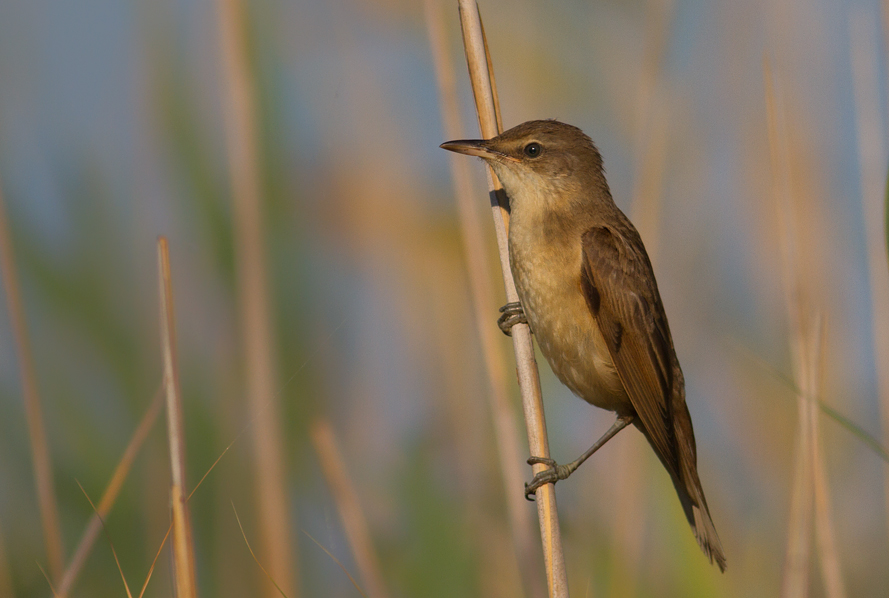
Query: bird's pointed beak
pixel 474 147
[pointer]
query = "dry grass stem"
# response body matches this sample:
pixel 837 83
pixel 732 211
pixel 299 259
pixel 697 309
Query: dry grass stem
pixel 255 314
pixel 337 561
pixel 483 298
pixel 349 508
pixel 491 76
pixel 529 381
pixel 188 498
pixel 810 495
pixel 872 159
pixel 110 495
pixel 154 561
pixel 42 461
pixel 253 554
pixel 797 559
pixel 796 568
pixel 183 544
pixel 824 533
pixel 110 543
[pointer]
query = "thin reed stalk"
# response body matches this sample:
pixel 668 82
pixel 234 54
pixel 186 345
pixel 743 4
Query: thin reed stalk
pixel 872 160
pixel 183 542
pixel 795 582
pixel 42 460
pixel 824 533
pixel 110 495
pixel 349 508
pixel 529 380
pixel 276 542
pixel 506 432
pixel 810 494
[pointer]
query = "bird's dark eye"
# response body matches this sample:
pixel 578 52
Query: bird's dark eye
pixel 532 150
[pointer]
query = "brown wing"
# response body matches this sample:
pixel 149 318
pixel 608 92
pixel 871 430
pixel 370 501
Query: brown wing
pixel 621 292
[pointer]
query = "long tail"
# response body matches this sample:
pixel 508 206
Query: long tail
pixel 698 515
pixel 683 470
pixel 688 487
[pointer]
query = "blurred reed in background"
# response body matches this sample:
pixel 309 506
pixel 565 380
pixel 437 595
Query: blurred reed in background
pixel 116 126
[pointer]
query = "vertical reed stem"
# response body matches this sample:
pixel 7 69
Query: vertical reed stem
pixel 351 514
pixel 272 497
pixel 505 429
pixel 183 544
pixel 529 380
pixel 42 461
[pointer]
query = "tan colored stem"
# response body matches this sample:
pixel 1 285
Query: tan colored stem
pixel 276 541
pixel 110 496
pixel 505 429
pixel 183 543
pixel 349 508
pixel 529 380
pixel 810 496
pixel 42 461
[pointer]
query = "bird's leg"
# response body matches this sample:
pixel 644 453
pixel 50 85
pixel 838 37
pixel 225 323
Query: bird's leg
pixel 558 472
pixel 512 314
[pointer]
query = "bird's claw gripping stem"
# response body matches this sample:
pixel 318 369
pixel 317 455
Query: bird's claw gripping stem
pixel 552 475
pixel 512 314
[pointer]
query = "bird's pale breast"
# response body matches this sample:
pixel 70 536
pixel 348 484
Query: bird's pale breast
pixel 557 312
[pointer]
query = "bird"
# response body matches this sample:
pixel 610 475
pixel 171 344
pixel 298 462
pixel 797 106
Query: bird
pixel 587 290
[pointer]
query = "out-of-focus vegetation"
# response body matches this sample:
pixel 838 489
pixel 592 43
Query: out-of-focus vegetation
pixel 113 131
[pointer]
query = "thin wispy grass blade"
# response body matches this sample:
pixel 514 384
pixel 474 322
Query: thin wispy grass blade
pixel 40 453
pixel 855 429
pixel 111 492
pixel 253 554
pixel 110 543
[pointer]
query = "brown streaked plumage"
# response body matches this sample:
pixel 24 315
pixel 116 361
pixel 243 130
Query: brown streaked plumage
pixel 590 297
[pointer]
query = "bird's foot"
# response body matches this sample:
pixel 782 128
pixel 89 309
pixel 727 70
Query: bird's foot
pixel 552 475
pixel 512 314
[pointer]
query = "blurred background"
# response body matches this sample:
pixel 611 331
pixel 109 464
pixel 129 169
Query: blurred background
pixel 289 152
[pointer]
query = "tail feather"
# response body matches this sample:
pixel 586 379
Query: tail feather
pixel 682 467
pixel 691 493
pixel 705 532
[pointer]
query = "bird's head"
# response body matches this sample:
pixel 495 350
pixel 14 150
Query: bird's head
pixel 544 159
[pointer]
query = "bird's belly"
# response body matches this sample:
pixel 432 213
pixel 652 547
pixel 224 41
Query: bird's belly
pixel 569 338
